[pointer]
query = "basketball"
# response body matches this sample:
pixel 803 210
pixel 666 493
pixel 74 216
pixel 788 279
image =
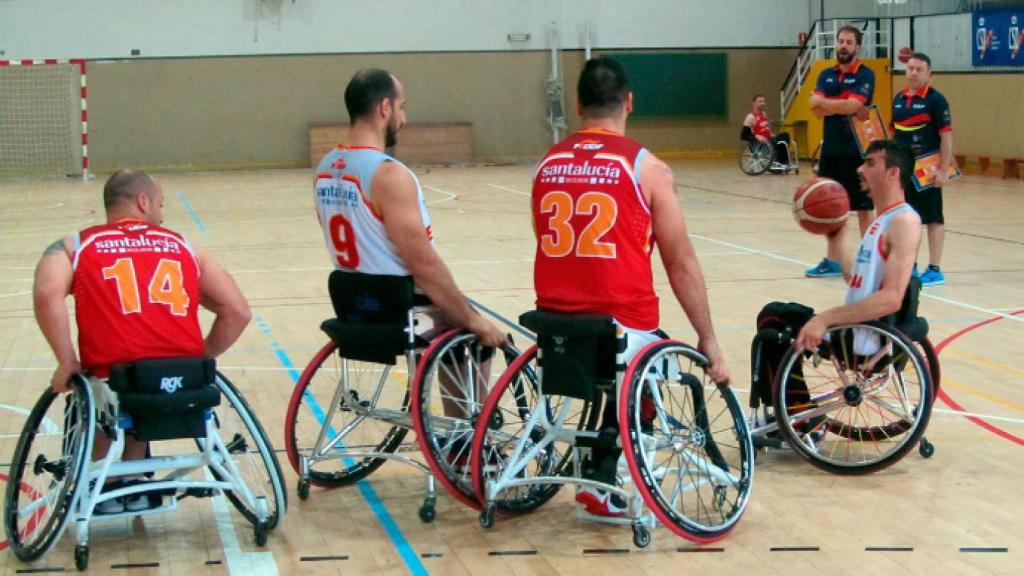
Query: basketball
pixel 905 54
pixel 820 205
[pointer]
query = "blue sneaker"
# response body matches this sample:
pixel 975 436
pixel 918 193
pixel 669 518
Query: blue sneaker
pixel 825 269
pixel 916 273
pixel 932 277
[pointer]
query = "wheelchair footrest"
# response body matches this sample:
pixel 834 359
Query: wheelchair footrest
pixel 198 493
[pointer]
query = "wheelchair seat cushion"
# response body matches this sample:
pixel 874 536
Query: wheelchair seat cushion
pixel 371 298
pixel 577 352
pixel 369 342
pixel 166 397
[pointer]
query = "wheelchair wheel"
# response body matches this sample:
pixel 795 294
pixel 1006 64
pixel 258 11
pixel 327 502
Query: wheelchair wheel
pixel 686 442
pixel 755 157
pixel 320 420
pixel 502 424
pixel 859 403
pixel 48 469
pixel 452 381
pixel 253 457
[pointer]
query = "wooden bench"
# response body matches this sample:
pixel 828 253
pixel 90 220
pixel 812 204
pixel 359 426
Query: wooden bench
pixel 1011 166
pixel 421 143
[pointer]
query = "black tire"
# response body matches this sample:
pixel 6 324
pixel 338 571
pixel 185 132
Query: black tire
pixel 754 157
pixel 686 442
pixel 253 456
pixel 446 405
pixel 311 402
pixel 501 423
pixel 51 458
pixel 845 412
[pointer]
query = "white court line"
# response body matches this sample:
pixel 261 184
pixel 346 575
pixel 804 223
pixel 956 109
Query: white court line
pixel 948 412
pixel 507 189
pixel 239 563
pixel 449 195
pixel 208 223
pixel 49 427
pixel 263 270
pixel 48 229
pixel 8 295
pixel 750 250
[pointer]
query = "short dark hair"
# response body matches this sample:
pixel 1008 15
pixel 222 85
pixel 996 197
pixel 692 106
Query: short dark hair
pixel 602 88
pixel 853 30
pixel 896 155
pixel 922 57
pixel 366 89
pixel 756 96
pixel 125 185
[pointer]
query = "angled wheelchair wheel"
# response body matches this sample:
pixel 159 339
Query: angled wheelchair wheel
pixel 253 456
pixel 859 403
pixel 512 425
pixel 323 424
pixel 453 378
pixel 686 442
pixel 754 157
pixel 48 469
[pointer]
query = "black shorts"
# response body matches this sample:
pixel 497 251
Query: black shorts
pixel 928 204
pixel 843 169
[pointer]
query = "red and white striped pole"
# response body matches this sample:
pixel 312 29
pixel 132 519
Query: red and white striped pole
pixel 80 62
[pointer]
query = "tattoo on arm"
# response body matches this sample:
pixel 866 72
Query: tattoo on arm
pixel 57 247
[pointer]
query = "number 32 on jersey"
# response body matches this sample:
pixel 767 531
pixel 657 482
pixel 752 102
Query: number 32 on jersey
pixel 560 238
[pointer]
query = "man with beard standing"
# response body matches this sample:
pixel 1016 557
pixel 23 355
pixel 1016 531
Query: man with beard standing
pixel 371 208
pixel 842 91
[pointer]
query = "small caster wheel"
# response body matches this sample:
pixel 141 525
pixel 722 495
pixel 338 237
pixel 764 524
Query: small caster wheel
pixel 427 512
pixel 303 490
pixel 926 448
pixel 487 516
pixel 260 531
pixel 81 557
pixel 641 536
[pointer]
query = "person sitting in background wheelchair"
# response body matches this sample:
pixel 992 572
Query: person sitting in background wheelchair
pixel 137 288
pixel 594 242
pixel 757 126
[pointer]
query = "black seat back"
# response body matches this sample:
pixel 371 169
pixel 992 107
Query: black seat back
pixel 577 352
pixel 372 315
pixel 906 319
pixel 166 397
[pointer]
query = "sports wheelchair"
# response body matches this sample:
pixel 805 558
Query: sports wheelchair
pixel 687 457
pixel 855 405
pixel 53 478
pixel 354 403
pixel 756 157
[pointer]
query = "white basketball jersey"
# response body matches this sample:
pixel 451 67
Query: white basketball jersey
pixel 352 226
pixel 869 269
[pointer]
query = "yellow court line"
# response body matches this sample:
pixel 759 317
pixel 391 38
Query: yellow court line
pixel 991 398
pixel 984 362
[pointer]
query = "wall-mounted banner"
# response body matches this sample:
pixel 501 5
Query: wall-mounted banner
pixel 997 38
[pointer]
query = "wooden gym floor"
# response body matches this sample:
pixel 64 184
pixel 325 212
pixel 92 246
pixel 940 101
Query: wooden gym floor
pixel 960 512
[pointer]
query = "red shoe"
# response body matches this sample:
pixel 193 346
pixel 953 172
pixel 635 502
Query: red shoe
pixel 599 502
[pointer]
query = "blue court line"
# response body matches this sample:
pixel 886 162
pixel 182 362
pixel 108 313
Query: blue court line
pixel 409 556
pixel 192 213
pixel 504 320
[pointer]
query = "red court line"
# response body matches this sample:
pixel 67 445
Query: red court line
pixel 953 404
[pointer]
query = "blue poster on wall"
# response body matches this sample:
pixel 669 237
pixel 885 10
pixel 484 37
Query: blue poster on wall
pixel 996 38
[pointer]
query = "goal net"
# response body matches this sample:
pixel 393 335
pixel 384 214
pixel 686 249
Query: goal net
pixel 43 118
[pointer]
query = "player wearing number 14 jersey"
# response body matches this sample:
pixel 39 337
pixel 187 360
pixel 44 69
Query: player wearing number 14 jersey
pixel 600 203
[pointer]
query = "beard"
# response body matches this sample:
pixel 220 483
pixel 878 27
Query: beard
pixel 844 57
pixel 390 136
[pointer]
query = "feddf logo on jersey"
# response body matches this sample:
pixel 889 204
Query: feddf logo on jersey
pixel 171 384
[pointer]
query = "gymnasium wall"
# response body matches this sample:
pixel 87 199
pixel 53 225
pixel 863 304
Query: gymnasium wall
pixel 215 113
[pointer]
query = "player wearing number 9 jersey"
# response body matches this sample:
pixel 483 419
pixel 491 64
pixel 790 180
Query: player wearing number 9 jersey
pixel 137 288
pixel 371 208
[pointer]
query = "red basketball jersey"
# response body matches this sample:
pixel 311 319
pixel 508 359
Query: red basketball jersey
pixel 762 126
pixel 594 230
pixel 136 289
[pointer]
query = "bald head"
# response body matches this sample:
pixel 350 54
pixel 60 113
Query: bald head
pixel 131 193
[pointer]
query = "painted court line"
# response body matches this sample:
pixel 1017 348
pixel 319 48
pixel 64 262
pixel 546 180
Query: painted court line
pixel 448 195
pixel 507 189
